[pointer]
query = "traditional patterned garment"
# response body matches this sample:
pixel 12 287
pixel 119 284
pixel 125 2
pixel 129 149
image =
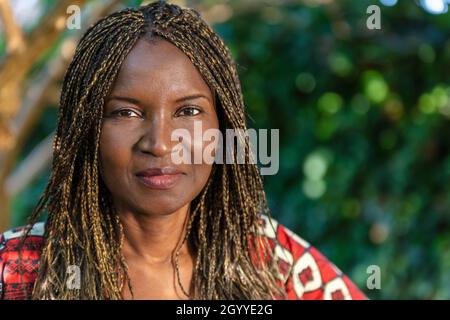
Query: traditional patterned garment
pixel 15 282
pixel 305 272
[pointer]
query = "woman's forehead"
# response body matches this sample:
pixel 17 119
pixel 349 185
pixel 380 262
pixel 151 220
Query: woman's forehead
pixel 159 65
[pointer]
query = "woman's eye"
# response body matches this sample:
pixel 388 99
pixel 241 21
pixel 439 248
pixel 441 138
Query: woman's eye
pixel 127 113
pixel 189 111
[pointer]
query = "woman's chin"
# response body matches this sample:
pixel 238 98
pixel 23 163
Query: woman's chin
pixel 160 208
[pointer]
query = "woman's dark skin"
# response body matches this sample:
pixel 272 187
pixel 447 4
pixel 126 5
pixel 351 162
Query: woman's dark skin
pixel 157 90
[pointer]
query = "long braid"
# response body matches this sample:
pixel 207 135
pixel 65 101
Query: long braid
pixel 83 227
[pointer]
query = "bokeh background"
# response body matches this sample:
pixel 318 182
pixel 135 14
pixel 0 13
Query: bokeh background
pixel 363 118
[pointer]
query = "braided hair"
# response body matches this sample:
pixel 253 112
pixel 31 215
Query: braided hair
pixel 82 227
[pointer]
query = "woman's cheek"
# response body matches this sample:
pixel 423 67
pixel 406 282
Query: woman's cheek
pixel 115 153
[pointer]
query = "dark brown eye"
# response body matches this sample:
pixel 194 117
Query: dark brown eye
pixel 126 113
pixel 188 112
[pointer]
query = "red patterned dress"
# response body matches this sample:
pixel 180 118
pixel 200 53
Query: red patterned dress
pixel 305 272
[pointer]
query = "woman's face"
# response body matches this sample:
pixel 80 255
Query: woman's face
pixel 157 91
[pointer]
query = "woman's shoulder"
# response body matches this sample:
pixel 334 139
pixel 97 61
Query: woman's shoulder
pixel 16 281
pixel 305 272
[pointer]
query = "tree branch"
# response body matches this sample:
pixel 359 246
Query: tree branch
pixel 14 37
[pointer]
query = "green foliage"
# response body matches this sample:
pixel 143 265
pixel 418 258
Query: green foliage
pixel 363 119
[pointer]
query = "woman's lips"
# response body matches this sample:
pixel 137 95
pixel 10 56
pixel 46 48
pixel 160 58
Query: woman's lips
pixel 160 178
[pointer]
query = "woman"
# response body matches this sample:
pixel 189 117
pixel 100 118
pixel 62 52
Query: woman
pixel 124 220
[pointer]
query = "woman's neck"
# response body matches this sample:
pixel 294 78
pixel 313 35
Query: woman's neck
pixel 154 238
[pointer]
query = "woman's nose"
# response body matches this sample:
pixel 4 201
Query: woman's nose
pixel 156 136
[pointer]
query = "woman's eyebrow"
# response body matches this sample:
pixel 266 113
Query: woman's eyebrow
pixel 136 101
pixel 121 98
pixel 192 97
